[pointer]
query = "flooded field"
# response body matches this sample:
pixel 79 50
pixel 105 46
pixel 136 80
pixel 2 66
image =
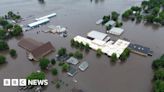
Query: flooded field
pixel 79 16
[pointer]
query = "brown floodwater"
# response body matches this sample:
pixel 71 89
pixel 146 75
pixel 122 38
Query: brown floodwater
pixel 79 16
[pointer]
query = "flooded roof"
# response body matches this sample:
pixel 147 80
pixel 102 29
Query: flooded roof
pixel 29 44
pixel 42 50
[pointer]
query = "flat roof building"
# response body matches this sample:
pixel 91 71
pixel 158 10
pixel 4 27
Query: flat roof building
pixel 142 50
pixel 38 23
pixel 116 31
pixel 96 35
pixel 108 48
pixel 46 17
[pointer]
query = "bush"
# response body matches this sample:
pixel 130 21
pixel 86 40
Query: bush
pixel 2 59
pixel 54 71
pixel 57 85
pixel 13 53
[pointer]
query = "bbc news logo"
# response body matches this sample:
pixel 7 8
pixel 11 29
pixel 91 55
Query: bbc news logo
pixel 24 82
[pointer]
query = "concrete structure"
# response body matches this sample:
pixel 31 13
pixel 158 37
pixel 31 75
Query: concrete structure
pixel 99 21
pixel 83 66
pixel 72 60
pixel 46 17
pixel 111 23
pixel 116 31
pixel 108 48
pixel 96 35
pixel 38 23
pixel 141 50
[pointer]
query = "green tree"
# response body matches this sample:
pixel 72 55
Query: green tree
pixel 159 86
pixel 13 53
pixel 87 48
pixel 62 51
pixel 115 15
pixel 72 42
pixel 2 34
pixel 105 19
pixel 78 55
pixel 53 61
pixel 81 46
pixel 65 67
pixel 17 30
pixel 54 71
pixel 127 13
pixel 3 45
pixel 36 76
pixel 43 63
pixel 2 59
pixel 159 74
pixel 114 57
pixel 98 52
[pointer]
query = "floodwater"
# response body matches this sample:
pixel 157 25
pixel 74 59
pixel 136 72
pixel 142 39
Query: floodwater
pixel 79 16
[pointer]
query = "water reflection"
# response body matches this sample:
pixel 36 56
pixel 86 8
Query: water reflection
pixel 97 1
pixel 41 1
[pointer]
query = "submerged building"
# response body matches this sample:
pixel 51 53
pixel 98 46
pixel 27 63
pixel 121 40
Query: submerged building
pixel 35 50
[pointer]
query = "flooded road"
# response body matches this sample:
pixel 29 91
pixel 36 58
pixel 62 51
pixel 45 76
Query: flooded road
pixel 79 16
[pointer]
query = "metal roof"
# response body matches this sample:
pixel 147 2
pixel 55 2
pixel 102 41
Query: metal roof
pixel 139 48
pixel 37 23
pixel 47 16
pixel 96 35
